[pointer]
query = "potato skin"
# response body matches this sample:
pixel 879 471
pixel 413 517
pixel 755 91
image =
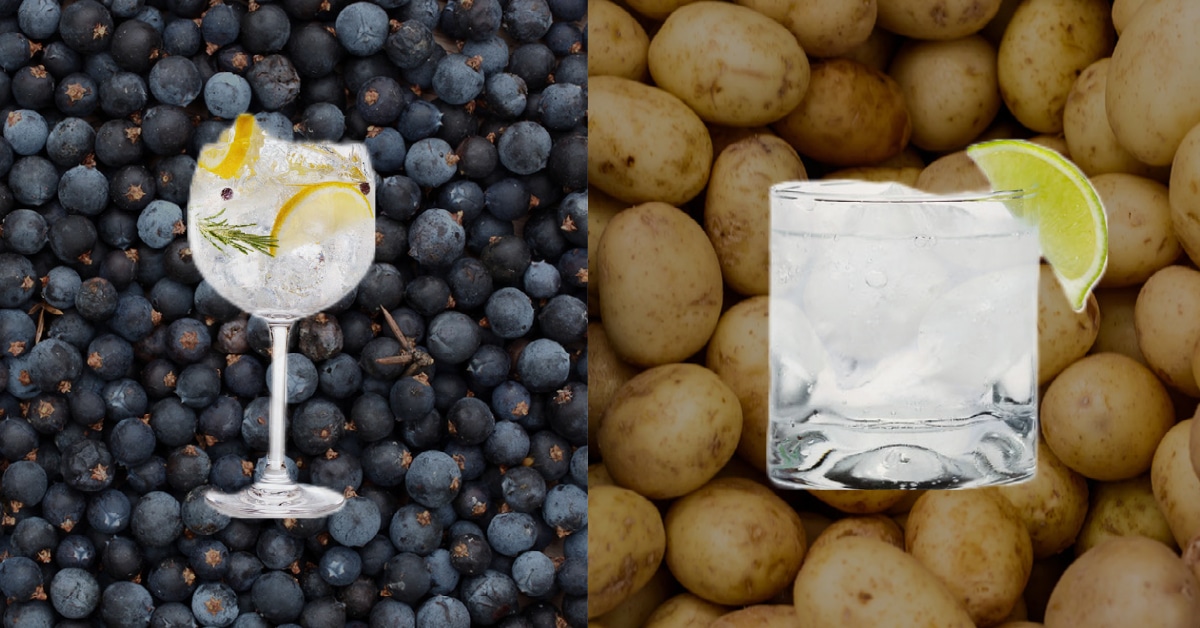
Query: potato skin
pixel 953 172
pixel 624 550
pixel 759 616
pixel 1167 319
pixel 863 582
pixel 684 611
pixel 1117 333
pixel 1125 581
pixel 1175 483
pixel 1063 334
pixel 1045 47
pixel 617 42
pixel 1153 96
pixel 1104 415
pixel 660 285
pixel 669 430
pixel 644 144
pixel 936 19
pixel 951 90
pixel 851 115
pixel 1184 194
pixel 606 374
pixel 824 28
pixel 875 526
pixel 1089 137
pixel 730 64
pixel 737 209
pixel 734 542
pixel 737 353
pixel 1141 238
pixel 976 544
pixel 1052 505
pixel 1123 508
pixel 860 502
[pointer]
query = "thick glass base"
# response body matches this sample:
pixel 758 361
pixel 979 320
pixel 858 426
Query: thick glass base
pixel 832 452
pixel 277 500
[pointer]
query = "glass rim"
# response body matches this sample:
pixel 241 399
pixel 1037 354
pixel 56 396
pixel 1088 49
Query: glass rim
pixel 851 191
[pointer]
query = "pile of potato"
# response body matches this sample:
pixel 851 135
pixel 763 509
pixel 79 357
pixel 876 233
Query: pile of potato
pixel 695 108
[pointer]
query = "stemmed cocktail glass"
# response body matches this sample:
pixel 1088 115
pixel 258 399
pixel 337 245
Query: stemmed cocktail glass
pixel 283 230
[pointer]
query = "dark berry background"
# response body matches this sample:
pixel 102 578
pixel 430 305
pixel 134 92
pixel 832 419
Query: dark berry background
pixel 446 396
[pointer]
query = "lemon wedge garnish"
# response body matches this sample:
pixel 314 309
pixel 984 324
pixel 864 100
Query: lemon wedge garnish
pixel 237 146
pixel 317 211
pixel 1072 225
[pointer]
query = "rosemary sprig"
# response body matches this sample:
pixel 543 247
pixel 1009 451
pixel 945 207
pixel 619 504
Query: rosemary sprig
pixel 223 234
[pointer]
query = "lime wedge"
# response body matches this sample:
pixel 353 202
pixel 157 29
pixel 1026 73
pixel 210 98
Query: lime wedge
pixel 236 146
pixel 1072 225
pixel 317 211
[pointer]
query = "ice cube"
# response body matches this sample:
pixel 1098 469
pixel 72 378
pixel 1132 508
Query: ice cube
pixel 866 297
pixel 979 329
pixel 796 353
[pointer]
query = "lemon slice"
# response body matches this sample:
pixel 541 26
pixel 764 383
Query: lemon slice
pixel 318 210
pixel 236 147
pixel 1072 225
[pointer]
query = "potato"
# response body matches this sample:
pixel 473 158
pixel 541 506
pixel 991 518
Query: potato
pixel 1104 415
pixel 863 582
pixel 1124 10
pixel 737 353
pixel 734 542
pixel 602 208
pixel 644 144
pixel 936 19
pixel 951 173
pixel 994 30
pixel 669 430
pixel 1052 505
pixel 1194 447
pixel 598 475
pixel 1153 97
pixel 760 616
pixel 824 28
pixel 1020 624
pixel 976 544
pixel 1117 333
pixel 730 64
pixel 1167 319
pixel 635 609
pixel 1064 335
pixel 617 42
pixel 875 526
pixel 660 285
pixel 684 611
pixel 1042 579
pixel 851 115
pixel 606 373
pixel 951 90
pixel 906 503
pixel 1123 508
pixel 656 10
pixel 1175 483
pixel 1141 240
pixel 860 502
pixel 722 136
pixel 627 548
pixel 1089 137
pixel 1125 581
pixel 1184 194
pixel 876 51
pixel 1045 47
pixel 905 175
pixel 737 209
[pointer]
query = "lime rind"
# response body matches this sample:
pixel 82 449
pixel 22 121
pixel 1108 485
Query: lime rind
pixel 1061 202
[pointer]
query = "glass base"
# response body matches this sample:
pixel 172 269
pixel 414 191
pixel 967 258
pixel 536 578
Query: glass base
pixel 832 452
pixel 277 500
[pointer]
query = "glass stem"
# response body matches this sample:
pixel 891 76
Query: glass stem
pixel 278 409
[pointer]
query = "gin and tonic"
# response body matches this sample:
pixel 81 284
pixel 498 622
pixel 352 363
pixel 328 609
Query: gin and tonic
pixel 283 230
pixel 903 338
